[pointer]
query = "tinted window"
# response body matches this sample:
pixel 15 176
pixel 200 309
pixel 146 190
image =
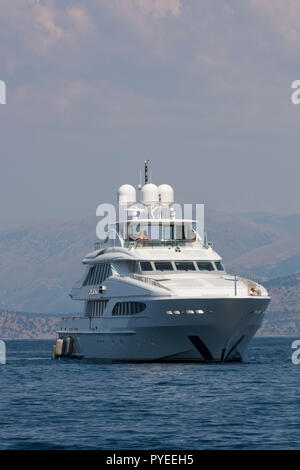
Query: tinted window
pixel 146 266
pixel 128 308
pixel 97 274
pixel 95 308
pixel 185 266
pixel 203 266
pixel 163 266
pixel 219 266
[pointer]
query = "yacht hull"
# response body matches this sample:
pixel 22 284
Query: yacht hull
pixel 220 334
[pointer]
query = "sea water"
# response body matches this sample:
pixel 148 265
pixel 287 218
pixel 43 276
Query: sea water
pixel 76 404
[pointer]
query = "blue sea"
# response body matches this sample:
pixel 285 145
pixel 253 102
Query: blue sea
pixel 73 404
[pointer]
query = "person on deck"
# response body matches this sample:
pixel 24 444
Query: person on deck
pixel 253 292
pixel 142 236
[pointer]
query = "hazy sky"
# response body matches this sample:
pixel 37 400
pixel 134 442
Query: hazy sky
pixel 201 87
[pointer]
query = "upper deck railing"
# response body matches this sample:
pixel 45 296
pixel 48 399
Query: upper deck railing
pixel 156 244
pixel 161 243
pixel 145 279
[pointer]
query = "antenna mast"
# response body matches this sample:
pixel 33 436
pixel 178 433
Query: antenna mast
pixel 146 170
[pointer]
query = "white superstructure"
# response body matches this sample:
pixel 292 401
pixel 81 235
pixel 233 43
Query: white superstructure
pixel 155 291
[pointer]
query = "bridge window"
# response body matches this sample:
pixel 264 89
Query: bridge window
pixel 185 266
pixel 128 308
pixel 205 266
pixel 146 266
pixel 163 266
pixel 158 231
pixel 219 266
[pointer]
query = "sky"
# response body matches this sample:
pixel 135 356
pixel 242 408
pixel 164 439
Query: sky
pixel 202 88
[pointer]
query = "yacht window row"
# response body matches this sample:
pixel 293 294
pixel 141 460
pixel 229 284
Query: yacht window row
pixel 95 308
pixel 181 266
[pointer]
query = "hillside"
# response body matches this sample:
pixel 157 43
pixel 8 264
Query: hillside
pixel 39 264
pixel 279 258
pixel 285 293
pixel 233 236
pixel 288 225
pixel 19 325
pixel 283 315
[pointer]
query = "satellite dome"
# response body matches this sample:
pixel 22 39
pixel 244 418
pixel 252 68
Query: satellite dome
pixel 166 194
pixel 150 194
pixel 126 195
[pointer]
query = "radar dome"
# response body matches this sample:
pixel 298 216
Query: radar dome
pixel 150 194
pixel 166 194
pixel 126 195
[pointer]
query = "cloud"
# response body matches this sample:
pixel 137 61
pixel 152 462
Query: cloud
pixel 43 18
pixel 80 18
pixel 165 58
pixel 282 15
pixel 159 8
pixel 204 80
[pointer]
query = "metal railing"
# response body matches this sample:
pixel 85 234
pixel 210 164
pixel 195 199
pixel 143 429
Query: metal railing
pixel 161 243
pixel 145 279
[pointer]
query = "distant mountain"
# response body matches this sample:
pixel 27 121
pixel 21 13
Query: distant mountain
pixel 233 236
pixel 279 258
pixel 288 225
pixel 283 314
pixel 40 262
pixel 285 293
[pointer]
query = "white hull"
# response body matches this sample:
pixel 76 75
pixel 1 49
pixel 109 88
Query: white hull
pixel 221 334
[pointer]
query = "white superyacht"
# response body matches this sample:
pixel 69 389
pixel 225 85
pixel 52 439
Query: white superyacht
pixel 155 290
